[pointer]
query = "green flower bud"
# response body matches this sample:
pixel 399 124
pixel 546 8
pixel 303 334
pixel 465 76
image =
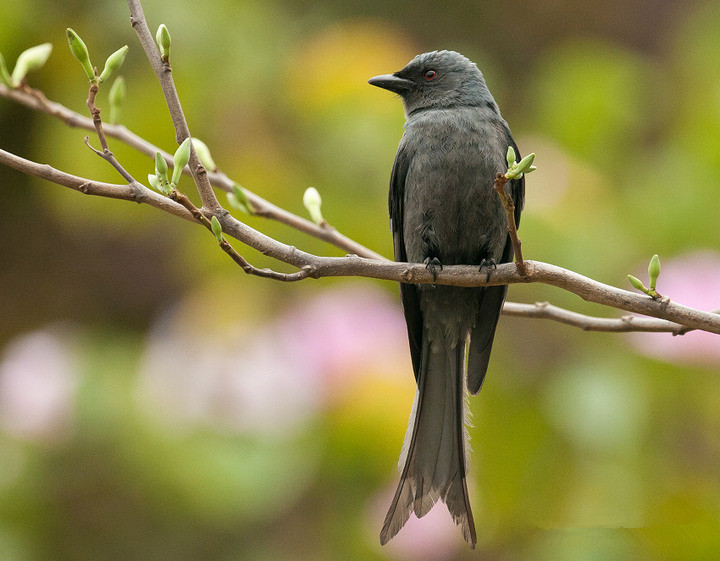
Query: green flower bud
pixel 654 271
pixel 116 97
pixel 158 184
pixel 239 200
pixel 234 203
pixel 113 62
pixel 4 74
pixel 239 192
pixel 182 155
pixel 511 157
pixel 637 283
pixel 154 183
pixel 216 229
pixel 525 164
pixel 163 40
pixel 203 153
pixel 80 51
pixel 32 58
pixel 161 168
pixel 313 202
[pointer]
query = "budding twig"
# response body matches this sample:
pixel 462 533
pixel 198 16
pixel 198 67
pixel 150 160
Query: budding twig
pixel 105 153
pixel 310 265
pixel 35 99
pixel 163 72
pixel 509 206
pixel 213 224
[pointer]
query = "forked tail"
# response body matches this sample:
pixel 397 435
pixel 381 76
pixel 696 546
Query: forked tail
pixel 434 450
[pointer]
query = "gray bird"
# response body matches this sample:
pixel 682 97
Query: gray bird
pixel 444 211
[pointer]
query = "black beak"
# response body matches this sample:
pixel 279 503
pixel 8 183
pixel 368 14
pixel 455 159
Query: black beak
pixel 392 82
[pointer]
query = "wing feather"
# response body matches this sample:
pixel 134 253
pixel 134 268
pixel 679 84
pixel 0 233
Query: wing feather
pixel 408 292
pixel 483 333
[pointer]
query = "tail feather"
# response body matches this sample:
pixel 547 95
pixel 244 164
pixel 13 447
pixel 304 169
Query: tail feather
pixel 434 451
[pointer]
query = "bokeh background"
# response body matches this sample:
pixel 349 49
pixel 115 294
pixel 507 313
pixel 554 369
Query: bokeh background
pixel 156 403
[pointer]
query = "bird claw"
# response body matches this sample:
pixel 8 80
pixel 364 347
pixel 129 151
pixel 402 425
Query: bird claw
pixel 489 264
pixel 434 265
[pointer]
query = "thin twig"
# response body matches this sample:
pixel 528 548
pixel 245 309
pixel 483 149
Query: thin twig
pixel 135 193
pixel 163 71
pixel 105 153
pixel 266 209
pixel 95 115
pixel 265 273
pixel 183 200
pixel 352 265
pixel 624 324
pixel 509 206
pixel 36 100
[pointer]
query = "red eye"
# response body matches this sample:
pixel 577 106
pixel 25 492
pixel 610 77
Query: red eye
pixel 430 75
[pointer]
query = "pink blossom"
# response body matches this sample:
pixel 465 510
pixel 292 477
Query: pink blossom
pixel 37 386
pixel 692 280
pixel 272 377
pixel 346 332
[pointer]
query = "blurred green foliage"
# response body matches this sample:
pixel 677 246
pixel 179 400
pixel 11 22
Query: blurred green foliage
pixel 211 416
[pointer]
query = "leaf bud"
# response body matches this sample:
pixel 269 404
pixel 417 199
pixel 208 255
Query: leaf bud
pixel 32 58
pixel 113 62
pixel 116 97
pixel 313 202
pixel 525 164
pixel 80 51
pixel 239 200
pixel 654 271
pixel 637 283
pixel 203 154
pixel 216 229
pixel 511 157
pixel 182 155
pixel 161 167
pixel 163 40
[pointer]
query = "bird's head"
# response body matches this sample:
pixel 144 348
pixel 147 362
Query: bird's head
pixel 439 79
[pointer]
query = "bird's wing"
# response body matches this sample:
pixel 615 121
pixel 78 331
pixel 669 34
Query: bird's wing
pixel 408 292
pixel 493 297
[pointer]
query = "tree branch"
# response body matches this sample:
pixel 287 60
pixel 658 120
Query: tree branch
pixel 105 153
pixel 163 71
pixel 624 324
pixel 136 193
pixel 459 275
pixel 509 206
pixel 36 100
pixel 309 265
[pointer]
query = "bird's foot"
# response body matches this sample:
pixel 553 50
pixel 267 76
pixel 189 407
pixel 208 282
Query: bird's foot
pixel 488 264
pixel 434 265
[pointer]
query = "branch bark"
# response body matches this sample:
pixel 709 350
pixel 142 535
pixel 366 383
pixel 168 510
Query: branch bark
pixel 314 266
pixel 163 71
pixel 137 193
pixel 509 206
pixel 624 324
pixel 36 100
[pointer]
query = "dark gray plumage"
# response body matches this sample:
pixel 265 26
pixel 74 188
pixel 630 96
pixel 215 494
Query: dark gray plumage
pixel 444 211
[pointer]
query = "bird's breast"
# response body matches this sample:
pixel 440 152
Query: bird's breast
pixel 449 188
